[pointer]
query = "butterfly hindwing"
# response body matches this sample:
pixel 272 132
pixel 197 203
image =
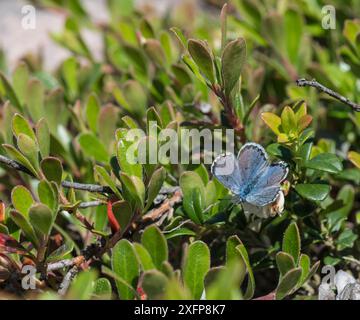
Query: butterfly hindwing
pixel 263 197
pixel 267 187
pixel 274 174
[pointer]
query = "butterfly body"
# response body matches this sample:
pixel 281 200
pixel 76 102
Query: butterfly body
pixel 254 181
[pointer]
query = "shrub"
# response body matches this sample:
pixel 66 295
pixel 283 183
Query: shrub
pixel 95 225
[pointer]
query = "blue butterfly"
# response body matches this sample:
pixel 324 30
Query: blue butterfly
pixel 254 181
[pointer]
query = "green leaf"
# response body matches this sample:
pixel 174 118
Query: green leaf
pixel 197 264
pixel 101 171
pixel 125 264
pixel 20 81
pixel 43 137
pixel 146 29
pixel 47 195
pixel 223 19
pixel 304 264
pixel 29 148
pixel 102 289
pixel 154 284
pixel 339 210
pixel 35 99
pixel 202 56
pixel 121 8
pixel 223 283
pixel 285 262
pixel 92 112
pixel 180 36
pixel 155 243
pixel 69 73
pixel 21 221
pixel 21 125
pixel 293 24
pixel 82 287
pixel 61 252
pixel 19 157
pixel 272 121
pixel 108 119
pixel 178 232
pixel 135 97
pixel 327 162
pixel 346 239
pixel 123 154
pixel 133 188
pixel 10 93
pixel 232 61
pixel 314 192
pixel 291 241
pixel 354 157
pixel 288 283
pixel 189 181
pixel 123 213
pixel 144 257
pixel 41 218
pixel 312 271
pixel 22 200
pixel 155 52
pixel 288 121
pixel 250 289
pixel 233 254
pixel 156 181
pixel 153 116
pixel 52 169
pixel 92 147
pixel 192 206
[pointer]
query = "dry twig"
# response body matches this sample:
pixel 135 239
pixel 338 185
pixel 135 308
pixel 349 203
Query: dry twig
pixel 313 83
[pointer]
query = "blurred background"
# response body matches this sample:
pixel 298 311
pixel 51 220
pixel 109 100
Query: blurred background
pixel 17 41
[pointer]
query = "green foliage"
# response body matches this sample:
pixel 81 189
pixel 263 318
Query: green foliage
pixel 71 187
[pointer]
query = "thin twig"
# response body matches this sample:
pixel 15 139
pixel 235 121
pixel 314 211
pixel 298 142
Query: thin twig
pixel 64 263
pixel 64 285
pixel 320 87
pixel 15 165
pixel 66 184
pixel 70 275
pixel 87 187
pixel 88 204
pixel 165 208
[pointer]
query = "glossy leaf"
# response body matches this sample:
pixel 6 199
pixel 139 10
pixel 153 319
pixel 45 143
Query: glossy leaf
pixel 197 264
pixel 125 264
pixel 41 218
pixel 203 58
pixel 92 147
pixel 314 192
pixel 155 243
pixel 327 162
pixel 288 283
pixel 22 200
pixel 291 242
pixel 52 169
pixel 232 62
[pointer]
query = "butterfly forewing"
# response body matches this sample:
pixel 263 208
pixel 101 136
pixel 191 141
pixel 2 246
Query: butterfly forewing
pixel 226 169
pixel 252 160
